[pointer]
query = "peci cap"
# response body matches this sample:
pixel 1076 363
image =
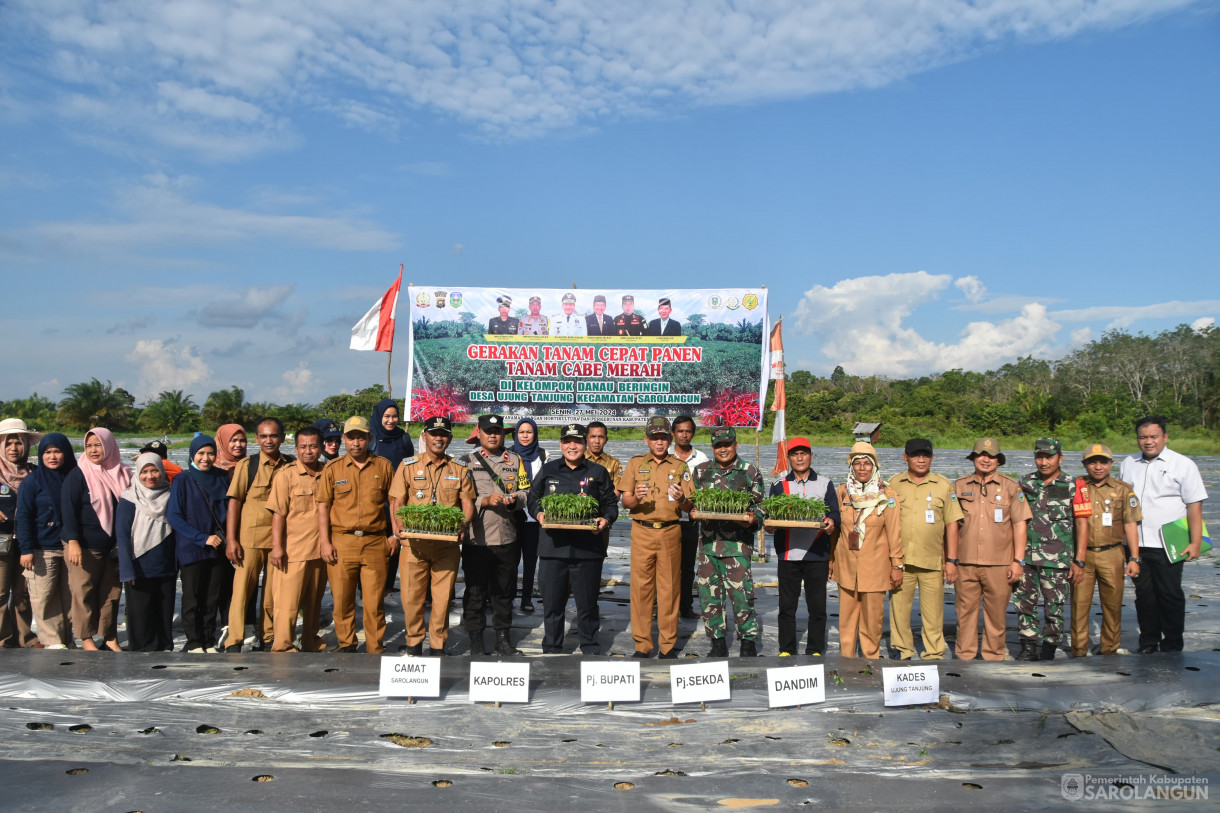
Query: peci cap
pixel 356 423
pixel 724 434
pixel 987 446
pixel 629 298
pixel 491 423
pixel 599 298
pixel 918 445
pixel 506 301
pixel 157 448
pixel 657 425
pixel 1049 446
pixel 574 430
pixel 798 442
pixel 1097 450
pixel 568 298
pixel 438 425
pixel 663 302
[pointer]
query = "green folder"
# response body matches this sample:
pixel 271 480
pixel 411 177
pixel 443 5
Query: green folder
pixel 1177 536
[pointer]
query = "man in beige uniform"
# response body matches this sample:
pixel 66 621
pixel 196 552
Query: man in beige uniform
pixel 352 494
pixel 299 574
pixel 1114 514
pixel 929 517
pixel 431 477
pixel 249 531
pixel 990 552
pixel 654 487
pixel 595 450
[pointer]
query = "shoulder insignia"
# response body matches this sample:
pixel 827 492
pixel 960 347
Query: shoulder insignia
pixel 1132 501
pixel 953 497
pixel 1021 497
pixel 408 461
pixel 891 502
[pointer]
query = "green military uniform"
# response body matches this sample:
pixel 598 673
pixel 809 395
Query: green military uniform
pixel 1049 551
pixel 503 327
pixel 722 570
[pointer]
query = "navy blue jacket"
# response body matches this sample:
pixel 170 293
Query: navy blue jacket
pixel 557 478
pixel 38 517
pixel 80 520
pixel 188 515
pixel 157 563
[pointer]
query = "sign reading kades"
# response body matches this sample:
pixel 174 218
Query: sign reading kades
pixel 499 682
pixel 908 685
pixel 699 682
pixel 410 677
pixel 796 685
pixel 602 682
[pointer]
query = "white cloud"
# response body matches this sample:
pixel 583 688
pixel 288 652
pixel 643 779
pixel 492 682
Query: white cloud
pixel 1203 324
pixel 254 306
pixel 1121 316
pixel 297 382
pixel 516 67
pixel 972 287
pixel 861 323
pixel 164 367
pixel 1081 336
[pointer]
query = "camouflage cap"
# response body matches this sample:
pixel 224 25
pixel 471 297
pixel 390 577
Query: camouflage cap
pixel 657 425
pixel 987 446
pixel 724 434
pixel 1047 446
pixel 438 425
pixel 1097 450
pixel 356 423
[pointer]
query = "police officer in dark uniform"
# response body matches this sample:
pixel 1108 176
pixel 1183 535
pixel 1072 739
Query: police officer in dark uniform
pixel 629 323
pixel 503 324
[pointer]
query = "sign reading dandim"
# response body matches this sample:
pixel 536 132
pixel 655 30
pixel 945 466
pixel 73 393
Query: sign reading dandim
pixel 559 355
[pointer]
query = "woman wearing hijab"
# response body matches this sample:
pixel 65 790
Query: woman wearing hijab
pixel 230 448
pixel 90 495
pixel 39 521
pixel 15 466
pixel 525 444
pixel 198 506
pixel 866 560
pixel 388 440
pixel 147 560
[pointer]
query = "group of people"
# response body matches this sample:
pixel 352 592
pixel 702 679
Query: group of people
pixel 570 323
pixel 74 534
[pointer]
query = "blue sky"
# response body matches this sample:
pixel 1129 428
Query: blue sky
pixel 197 194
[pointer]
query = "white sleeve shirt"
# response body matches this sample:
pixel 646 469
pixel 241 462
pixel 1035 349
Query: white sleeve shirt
pixel 565 325
pixel 1164 485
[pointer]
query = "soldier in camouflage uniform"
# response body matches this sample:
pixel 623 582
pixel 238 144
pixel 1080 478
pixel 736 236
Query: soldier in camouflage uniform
pixel 725 547
pixel 1054 552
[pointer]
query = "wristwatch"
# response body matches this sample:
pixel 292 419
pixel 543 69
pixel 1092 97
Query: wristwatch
pixel 951 561
pixel 1020 562
pixel 1078 563
pixel 1135 559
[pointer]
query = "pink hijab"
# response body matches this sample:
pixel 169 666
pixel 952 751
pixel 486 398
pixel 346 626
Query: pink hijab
pixel 105 480
pixel 224 458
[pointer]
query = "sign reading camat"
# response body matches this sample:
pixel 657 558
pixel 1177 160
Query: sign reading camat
pixel 410 677
pixel 908 685
pixel 796 685
pixel 499 682
pixel 602 682
pixel 699 682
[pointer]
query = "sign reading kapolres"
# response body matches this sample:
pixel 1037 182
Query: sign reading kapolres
pixel 558 355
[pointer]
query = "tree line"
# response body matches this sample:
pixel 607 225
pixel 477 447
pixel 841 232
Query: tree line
pixel 1094 392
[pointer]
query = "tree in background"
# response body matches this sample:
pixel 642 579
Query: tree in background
pixel 37 411
pixel 341 407
pixel 94 403
pixel 171 412
pixel 294 416
pixel 226 406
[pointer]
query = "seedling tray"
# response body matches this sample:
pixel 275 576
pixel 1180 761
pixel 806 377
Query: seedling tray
pixel 819 524
pixel 698 515
pixel 568 526
pixel 407 534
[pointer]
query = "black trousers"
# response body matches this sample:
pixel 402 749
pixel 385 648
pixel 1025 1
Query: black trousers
pixel 1160 606
pixel 207 586
pixel 150 614
pixel 527 535
pixel 812 575
pixel 583 578
pixel 690 550
pixel 490 572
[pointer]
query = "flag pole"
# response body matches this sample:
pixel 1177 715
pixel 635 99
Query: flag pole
pixel 389 386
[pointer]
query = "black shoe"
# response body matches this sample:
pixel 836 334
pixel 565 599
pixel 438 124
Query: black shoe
pixel 351 648
pixel 720 649
pixel 233 648
pixel 504 645
pixel 1048 652
pixel 527 606
pixel 437 653
pixel 639 653
pixel 477 645
pixel 748 649
pixel 1148 650
pixel 669 655
pixel 1029 651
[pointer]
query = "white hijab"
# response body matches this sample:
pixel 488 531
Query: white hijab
pixel 150 526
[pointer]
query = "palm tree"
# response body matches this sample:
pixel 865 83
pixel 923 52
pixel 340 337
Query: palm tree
pixel 170 412
pixel 94 403
pixel 226 406
pixel 37 411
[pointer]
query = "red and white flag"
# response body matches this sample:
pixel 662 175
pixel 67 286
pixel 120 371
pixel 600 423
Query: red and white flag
pixel 376 330
pixel 780 402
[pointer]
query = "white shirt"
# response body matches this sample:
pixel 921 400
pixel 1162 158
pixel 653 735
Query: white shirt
pixel 696 457
pixel 1165 485
pixel 569 325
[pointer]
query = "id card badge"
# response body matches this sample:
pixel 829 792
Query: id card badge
pixel 1107 520
pixel 999 515
pixel 853 540
pixel 929 517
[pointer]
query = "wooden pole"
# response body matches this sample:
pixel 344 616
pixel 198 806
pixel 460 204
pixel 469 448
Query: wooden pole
pixel 389 384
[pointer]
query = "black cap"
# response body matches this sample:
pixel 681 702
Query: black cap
pixel 917 445
pixel 438 424
pixel 574 430
pixel 156 447
pixel 329 429
pixel 491 423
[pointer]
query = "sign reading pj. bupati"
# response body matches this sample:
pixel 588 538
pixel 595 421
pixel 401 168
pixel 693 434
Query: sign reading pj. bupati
pixel 558 355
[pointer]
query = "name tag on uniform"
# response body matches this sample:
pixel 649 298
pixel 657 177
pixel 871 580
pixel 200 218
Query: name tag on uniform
pixel 929 517
pixel 999 515
pixel 1107 520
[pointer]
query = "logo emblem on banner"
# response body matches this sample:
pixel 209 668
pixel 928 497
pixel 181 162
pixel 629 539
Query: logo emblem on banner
pixel 713 302
pixel 732 303
pixel 455 299
pixel 750 301
pixel 440 298
pixel 422 299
